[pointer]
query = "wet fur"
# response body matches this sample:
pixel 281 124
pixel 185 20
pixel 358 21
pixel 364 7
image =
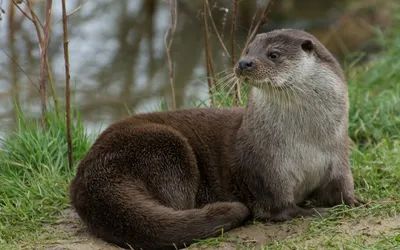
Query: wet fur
pixel 160 180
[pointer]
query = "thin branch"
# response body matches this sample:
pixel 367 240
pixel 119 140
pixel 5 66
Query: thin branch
pixel 233 36
pixel 53 90
pixel 37 23
pixel 23 71
pixel 208 46
pixel 13 67
pixel 209 64
pixel 43 55
pixel 22 11
pixel 215 29
pixel 2 11
pixel 252 21
pixel 67 85
pixel 168 47
pixel 224 17
pixel 75 10
pixel 34 18
pixel 262 20
pixel 233 30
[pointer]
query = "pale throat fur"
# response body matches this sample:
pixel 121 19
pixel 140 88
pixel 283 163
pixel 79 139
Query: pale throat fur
pixel 301 116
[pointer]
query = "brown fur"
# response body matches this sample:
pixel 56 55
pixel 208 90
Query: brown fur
pixel 157 180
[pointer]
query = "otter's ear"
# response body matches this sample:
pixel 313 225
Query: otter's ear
pixel 307 45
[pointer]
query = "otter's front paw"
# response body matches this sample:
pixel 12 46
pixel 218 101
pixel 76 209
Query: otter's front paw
pixel 354 202
pixel 297 212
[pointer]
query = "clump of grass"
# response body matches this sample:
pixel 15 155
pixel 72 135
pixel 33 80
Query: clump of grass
pixel 375 94
pixel 224 97
pixel 34 174
pixel 376 169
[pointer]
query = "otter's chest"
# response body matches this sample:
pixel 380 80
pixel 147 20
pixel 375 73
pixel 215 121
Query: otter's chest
pixel 306 166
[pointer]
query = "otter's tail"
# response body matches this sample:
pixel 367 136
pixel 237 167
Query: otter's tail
pixel 141 222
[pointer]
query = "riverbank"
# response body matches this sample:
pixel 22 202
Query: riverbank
pixel 34 175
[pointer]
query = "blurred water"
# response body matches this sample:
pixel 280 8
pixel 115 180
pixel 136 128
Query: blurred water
pixel 117 57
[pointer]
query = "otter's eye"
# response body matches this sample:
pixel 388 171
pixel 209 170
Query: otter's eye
pixel 273 55
pixel 247 51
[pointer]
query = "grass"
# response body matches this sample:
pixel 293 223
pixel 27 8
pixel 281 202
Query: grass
pixel 34 173
pixel 374 95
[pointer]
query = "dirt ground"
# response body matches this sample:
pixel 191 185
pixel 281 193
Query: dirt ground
pixel 73 235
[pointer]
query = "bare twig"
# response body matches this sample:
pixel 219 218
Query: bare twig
pixel 262 20
pixel 215 29
pixel 209 64
pixel 208 46
pixel 252 21
pixel 67 85
pixel 53 90
pixel 43 56
pixel 22 11
pixel 23 71
pixel 13 67
pixel 224 17
pixel 34 18
pixel 75 10
pixel 37 23
pixel 168 46
pixel 2 11
pixel 233 31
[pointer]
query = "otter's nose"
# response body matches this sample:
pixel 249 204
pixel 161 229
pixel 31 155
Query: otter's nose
pixel 245 64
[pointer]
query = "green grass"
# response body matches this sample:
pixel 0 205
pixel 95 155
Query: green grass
pixel 375 95
pixel 34 173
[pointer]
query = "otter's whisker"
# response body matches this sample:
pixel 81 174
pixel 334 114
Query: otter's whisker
pixel 226 83
pixel 229 75
pixel 222 82
pixel 227 95
pixel 223 87
pixel 225 71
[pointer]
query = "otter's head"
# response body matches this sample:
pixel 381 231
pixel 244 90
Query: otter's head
pixel 284 58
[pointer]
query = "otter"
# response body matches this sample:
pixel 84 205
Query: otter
pixel 163 180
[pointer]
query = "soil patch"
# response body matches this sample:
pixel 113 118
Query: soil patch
pixel 73 235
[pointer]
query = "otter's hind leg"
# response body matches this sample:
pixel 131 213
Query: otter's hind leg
pixel 168 165
pixel 339 189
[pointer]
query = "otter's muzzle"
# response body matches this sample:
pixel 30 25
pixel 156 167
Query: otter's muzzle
pixel 244 64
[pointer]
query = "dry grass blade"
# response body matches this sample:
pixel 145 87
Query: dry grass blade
pixel 168 47
pixel 215 29
pixel 23 71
